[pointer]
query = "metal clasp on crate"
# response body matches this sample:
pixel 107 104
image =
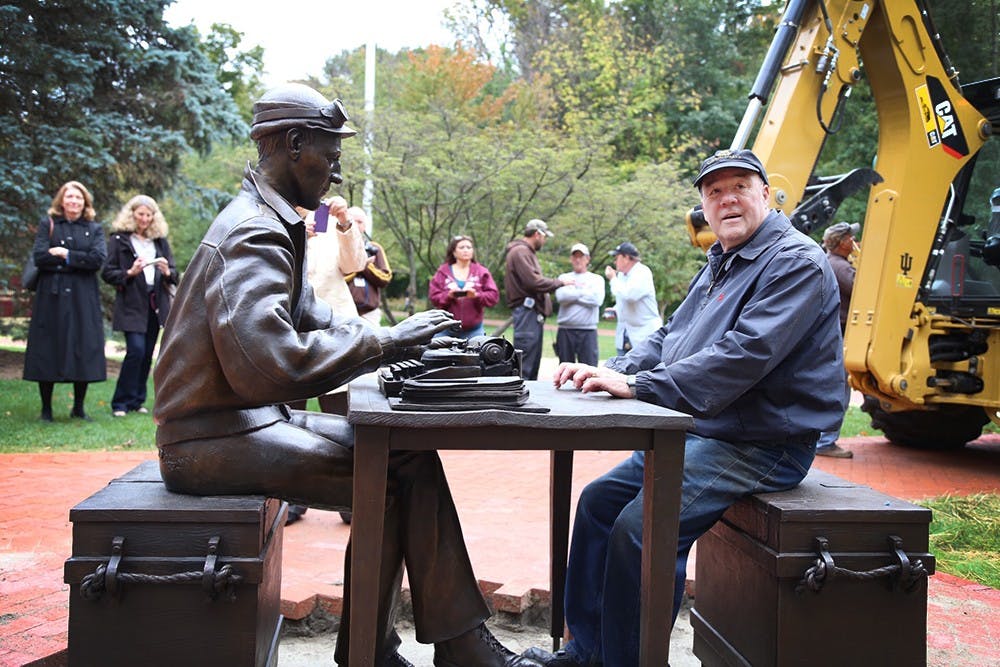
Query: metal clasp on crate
pixel 906 574
pixel 108 577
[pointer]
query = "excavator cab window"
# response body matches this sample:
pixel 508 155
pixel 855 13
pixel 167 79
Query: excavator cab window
pixel 965 279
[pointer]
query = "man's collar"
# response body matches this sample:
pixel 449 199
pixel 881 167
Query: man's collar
pixel 271 197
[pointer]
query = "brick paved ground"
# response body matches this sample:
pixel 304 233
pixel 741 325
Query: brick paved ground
pixel 502 499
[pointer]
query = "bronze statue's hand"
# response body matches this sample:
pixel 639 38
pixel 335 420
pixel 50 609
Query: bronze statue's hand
pixel 442 342
pixel 416 330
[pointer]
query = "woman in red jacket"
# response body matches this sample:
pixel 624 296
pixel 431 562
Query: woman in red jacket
pixel 463 287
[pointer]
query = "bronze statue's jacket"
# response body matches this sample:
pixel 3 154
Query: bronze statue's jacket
pixel 243 333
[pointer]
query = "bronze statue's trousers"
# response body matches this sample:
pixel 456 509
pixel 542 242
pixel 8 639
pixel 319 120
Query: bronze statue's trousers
pixel 309 460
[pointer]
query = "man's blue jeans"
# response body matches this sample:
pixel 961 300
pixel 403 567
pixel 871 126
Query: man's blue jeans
pixel 603 577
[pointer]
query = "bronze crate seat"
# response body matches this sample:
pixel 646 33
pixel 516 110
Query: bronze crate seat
pixel 828 573
pixel 158 578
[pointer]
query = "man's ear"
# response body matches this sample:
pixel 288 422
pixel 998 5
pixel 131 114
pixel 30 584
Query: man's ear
pixel 294 141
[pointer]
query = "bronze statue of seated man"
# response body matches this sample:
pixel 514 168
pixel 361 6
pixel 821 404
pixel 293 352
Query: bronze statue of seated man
pixel 246 335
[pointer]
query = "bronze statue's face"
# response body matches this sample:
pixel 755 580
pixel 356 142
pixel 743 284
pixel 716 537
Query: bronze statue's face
pixel 317 165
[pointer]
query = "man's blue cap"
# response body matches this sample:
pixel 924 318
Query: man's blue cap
pixel 741 159
pixel 626 249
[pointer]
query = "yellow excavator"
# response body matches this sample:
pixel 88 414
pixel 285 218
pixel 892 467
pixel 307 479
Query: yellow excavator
pixel 923 338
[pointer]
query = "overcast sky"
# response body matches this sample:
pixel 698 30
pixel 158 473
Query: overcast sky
pixel 299 35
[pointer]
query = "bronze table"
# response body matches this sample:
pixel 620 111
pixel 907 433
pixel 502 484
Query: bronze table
pixel 575 422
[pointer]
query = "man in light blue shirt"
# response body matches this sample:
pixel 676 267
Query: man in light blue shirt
pixel 635 298
pixel 579 310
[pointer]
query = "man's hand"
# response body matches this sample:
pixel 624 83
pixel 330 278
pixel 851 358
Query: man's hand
pixel 338 211
pixel 609 272
pixel 593 378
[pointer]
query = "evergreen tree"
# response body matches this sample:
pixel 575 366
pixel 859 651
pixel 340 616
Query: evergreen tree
pixel 100 91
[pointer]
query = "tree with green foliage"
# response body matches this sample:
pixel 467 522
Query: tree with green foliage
pixel 239 71
pixel 103 92
pixel 605 80
pixel 460 149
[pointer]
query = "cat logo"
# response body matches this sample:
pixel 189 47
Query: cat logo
pixel 941 125
pixel 927 116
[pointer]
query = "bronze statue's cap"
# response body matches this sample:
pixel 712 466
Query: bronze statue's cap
pixel 741 159
pixel 297 105
pixel 535 226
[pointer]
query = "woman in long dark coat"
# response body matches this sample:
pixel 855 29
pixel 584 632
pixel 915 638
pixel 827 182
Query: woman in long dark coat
pixel 140 266
pixel 66 334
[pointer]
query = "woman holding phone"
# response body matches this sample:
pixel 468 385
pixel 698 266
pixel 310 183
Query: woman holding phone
pixel 140 266
pixel 463 287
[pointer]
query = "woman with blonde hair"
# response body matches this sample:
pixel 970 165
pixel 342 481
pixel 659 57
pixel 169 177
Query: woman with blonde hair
pixel 140 266
pixel 66 334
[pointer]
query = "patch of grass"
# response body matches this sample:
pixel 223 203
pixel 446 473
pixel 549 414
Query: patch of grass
pixel 965 536
pixel 22 431
pixel 857 422
pixel 605 344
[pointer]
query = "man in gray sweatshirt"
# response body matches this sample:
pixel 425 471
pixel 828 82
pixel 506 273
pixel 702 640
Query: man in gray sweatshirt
pixel 579 310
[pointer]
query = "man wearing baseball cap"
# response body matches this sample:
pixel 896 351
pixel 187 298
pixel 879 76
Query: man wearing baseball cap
pixel 246 335
pixel 632 287
pixel 839 242
pixel 754 354
pixel 579 309
pixel 529 294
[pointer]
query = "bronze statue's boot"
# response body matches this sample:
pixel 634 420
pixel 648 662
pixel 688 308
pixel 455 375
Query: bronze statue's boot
pixel 396 660
pixel 477 648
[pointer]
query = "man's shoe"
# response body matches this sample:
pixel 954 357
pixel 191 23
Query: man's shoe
pixel 558 659
pixel 477 648
pixel 835 451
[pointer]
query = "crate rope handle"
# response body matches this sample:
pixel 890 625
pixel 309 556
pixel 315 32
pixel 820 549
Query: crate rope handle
pixel 107 577
pixel 907 574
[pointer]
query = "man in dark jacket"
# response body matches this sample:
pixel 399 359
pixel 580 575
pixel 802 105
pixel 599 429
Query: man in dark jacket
pixel 246 334
pixel 529 294
pixel 754 354
pixel 839 242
